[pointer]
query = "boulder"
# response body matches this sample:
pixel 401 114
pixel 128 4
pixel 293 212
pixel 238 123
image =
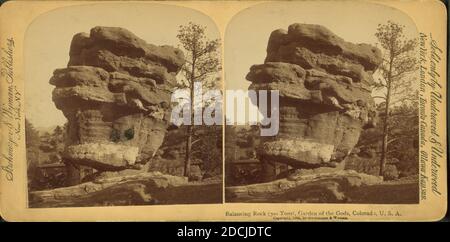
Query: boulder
pixel 115 94
pixel 345 186
pixel 144 188
pixel 324 84
pixel 121 43
pixel 320 40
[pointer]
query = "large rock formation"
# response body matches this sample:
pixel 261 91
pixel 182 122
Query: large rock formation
pixel 115 94
pixel 325 100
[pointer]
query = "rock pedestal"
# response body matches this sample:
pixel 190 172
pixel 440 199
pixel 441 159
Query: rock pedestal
pixel 325 102
pixel 115 94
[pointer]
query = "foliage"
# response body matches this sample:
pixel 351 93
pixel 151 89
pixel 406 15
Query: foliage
pixel 32 142
pixel 202 55
pixel 202 65
pixel 208 149
pixel 242 166
pixel 402 156
pixel 44 149
pixel 396 79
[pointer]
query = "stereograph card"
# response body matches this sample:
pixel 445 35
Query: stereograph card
pixel 223 110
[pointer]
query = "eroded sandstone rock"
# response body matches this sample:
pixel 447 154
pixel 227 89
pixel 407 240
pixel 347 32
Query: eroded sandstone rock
pixel 145 188
pixel 115 94
pixel 345 186
pixel 325 86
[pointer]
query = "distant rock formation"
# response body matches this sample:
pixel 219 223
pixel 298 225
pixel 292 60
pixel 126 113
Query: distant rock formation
pixel 115 94
pixel 325 102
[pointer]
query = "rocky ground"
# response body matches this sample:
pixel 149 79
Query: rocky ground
pixel 336 187
pixel 139 189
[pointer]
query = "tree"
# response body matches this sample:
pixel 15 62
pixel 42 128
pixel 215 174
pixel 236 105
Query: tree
pixel 202 65
pixel 395 81
pixel 404 141
pixel 32 141
pixel 208 148
pixel 31 135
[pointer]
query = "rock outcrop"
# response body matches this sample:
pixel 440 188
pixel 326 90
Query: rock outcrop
pixel 345 186
pixel 147 188
pixel 115 94
pixel 325 85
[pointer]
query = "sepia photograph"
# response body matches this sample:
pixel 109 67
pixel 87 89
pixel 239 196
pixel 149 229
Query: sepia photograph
pixel 232 111
pixel 98 107
pixel 347 105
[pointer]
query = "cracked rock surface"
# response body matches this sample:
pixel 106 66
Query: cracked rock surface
pixel 325 95
pixel 115 94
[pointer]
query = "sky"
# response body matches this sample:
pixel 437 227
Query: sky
pixel 48 38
